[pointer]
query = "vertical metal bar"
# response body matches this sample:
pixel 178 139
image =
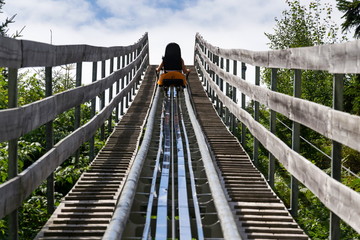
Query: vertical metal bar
pixel 110 95
pixel 271 171
pixel 220 111
pixel 131 77
pixel 338 98
pixel 49 143
pixel 172 90
pixel 243 99
pixel 256 117
pixel 92 113
pixel 102 100
pixel 217 80
pixel 227 86
pixel 127 82
pixel 122 87
pixel 13 151
pixel 233 118
pixel 295 146
pixel 78 108
pixel 117 91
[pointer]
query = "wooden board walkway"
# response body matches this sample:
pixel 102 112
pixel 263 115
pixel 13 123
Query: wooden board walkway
pixel 87 209
pixel 257 208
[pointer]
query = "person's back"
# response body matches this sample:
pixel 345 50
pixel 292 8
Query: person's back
pixel 173 66
pixel 172 59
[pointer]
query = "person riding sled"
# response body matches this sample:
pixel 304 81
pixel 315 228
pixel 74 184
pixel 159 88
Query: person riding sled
pixel 173 67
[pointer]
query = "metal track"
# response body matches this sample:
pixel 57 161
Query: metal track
pixel 87 209
pixel 177 199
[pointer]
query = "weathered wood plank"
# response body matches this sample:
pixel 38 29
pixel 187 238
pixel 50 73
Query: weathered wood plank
pixel 339 126
pixel 335 58
pixel 24 53
pixel 19 121
pixel 10 52
pixel 337 197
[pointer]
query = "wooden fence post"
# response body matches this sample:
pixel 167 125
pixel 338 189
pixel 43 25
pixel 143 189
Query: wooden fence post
pixel 338 91
pixel 49 143
pixel 92 114
pixel 256 117
pixel 13 151
pixel 271 171
pixel 295 146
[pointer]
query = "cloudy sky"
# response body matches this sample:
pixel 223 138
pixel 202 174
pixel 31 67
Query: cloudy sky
pixel 224 23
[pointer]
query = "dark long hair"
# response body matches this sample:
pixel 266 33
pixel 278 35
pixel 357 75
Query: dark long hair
pixel 172 59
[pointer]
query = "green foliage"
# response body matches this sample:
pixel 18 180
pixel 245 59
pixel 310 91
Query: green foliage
pixel 351 10
pixel 302 26
pixel 31 87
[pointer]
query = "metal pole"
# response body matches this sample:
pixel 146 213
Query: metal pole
pixel 110 95
pixel 220 111
pixel 78 108
pixel 117 91
pixel 256 117
pixel 122 87
pixel 296 147
pixel 243 127
pixel 102 100
pixel 338 98
pixel 271 171
pixel 227 86
pixel 49 143
pixel 92 113
pixel 13 151
pixel 127 82
pixel 233 118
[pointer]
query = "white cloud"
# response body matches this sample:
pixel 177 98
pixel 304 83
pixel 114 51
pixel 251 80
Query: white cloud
pixel 224 23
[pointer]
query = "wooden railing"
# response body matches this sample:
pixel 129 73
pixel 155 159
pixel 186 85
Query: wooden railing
pixel 17 121
pixel 341 127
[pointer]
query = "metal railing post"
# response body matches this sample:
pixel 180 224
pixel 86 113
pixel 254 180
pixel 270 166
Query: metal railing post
pixel 271 171
pixel 78 108
pixel 127 82
pixel 295 146
pixel 92 114
pixel 102 100
pixel 122 86
pixel 110 95
pixel 338 92
pixel 220 111
pixel 49 143
pixel 243 105
pixel 233 96
pixel 256 118
pixel 117 90
pixel 227 86
pixel 13 151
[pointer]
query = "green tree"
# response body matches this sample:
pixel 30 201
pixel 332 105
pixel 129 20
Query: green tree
pixel 302 26
pixel 351 10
